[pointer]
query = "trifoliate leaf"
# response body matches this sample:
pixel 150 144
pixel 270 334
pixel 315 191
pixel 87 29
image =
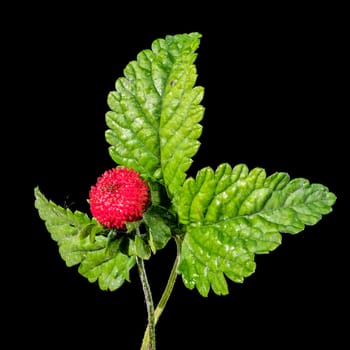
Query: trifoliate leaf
pixel 155 111
pixel 233 214
pixel 99 259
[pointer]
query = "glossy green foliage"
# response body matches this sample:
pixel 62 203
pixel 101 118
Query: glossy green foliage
pixel 100 260
pixel 101 253
pixel 158 220
pixel 221 218
pixel 155 111
pixel 233 214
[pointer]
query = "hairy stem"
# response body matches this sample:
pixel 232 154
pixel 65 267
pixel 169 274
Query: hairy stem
pixel 166 294
pixel 151 341
pixel 150 344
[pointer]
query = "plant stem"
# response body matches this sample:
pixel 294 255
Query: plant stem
pixel 151 341
pixel 165 296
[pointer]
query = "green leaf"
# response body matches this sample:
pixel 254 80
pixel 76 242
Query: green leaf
pixel 99 260
pixel 180 117
pixel 91 229
pixel 155 111
pixel 233 214
pixel 138 247
pixel 157 219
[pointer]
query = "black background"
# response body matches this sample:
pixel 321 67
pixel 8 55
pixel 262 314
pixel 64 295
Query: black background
pixel 274 98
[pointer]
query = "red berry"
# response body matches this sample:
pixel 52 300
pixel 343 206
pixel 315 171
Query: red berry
pixel 119 196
